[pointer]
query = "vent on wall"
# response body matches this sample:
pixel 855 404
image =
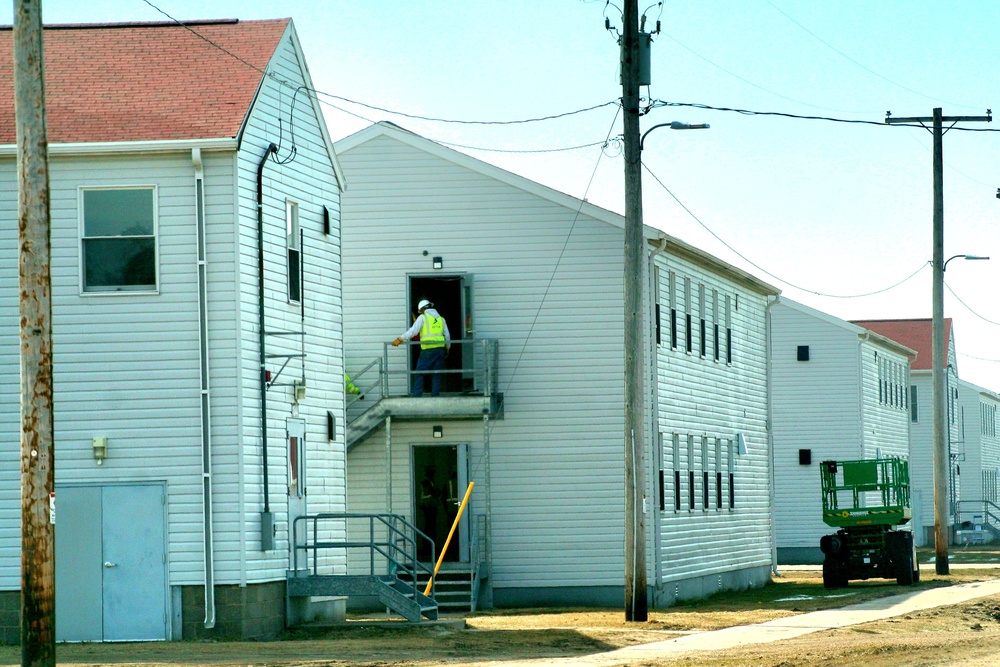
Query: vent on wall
pixel 803 353
pixel 805 457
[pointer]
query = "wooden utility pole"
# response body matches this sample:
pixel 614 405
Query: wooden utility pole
pixel 939 386
pixel 37 451
pixel 636 605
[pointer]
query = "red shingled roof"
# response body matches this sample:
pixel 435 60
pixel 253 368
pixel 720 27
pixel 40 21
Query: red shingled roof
pixel 915 334
pixel 145 81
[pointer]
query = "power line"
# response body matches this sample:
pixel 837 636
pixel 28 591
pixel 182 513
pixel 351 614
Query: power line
pixel 762 269
pixel 749 82
pixel 654 104
pixel 968 307
pixel 867 69
pixel 371 106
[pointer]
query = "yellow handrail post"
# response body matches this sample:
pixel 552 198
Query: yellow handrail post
pixel 444 550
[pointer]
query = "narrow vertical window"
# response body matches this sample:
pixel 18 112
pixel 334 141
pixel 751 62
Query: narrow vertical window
pixel 663 480
pixel 718 473
pixel 672 286
pixel 690 461
pixel 656 300
pixel 715 323
pixel 704 472
pixel 702 336
pixel 689 307
pixel 677 471
pixel 296 462
pixel 729 331
pixel 913 403
pixel 294 252
pixel 731 464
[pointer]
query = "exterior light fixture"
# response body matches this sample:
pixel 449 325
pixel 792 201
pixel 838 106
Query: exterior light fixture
pixel 969 257
pixel 100 449
pixel 436 263
pixel 437 432
pixel 675 125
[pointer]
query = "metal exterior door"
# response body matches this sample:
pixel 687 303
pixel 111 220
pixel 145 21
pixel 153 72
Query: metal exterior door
pixel 111 571
pixel 135 596
pixel 79 559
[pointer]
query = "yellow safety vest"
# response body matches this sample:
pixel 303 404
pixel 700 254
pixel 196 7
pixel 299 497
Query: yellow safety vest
pixel 431 332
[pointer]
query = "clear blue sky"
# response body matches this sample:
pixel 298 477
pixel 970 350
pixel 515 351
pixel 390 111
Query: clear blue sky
pixel 833 208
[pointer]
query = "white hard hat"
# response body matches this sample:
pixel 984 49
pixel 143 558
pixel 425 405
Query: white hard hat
pixel 424 303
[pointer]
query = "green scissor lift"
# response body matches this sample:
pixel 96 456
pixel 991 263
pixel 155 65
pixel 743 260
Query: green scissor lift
pixel 867 500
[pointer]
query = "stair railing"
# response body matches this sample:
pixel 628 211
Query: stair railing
pixel 390 540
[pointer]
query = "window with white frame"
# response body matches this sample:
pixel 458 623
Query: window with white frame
pixel 294 252
pixel 118 239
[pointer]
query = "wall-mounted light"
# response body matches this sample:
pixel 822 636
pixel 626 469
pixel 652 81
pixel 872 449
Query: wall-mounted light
pixel 100 449
pixel 437 432
pixel 436 263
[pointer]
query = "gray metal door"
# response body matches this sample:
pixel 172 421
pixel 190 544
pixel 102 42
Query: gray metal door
pixel 135 597
pixel 79 599
pixel 111 563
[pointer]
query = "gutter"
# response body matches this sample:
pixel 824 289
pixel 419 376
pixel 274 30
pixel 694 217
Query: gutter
pixel 114 147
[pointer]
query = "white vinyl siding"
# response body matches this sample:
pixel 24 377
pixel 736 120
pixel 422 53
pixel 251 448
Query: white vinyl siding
pixel 707 402
pixel 308 180
pixel 832 405
pixel 534 286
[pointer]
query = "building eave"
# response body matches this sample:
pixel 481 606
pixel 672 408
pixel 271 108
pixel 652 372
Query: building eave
pixel 131 147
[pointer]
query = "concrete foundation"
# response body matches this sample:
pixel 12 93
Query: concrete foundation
pixel 256 611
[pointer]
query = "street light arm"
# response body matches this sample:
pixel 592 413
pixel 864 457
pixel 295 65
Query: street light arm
pixel 969 257
pixel 673 125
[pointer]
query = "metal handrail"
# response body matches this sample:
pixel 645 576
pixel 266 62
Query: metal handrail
pixel 481 367
pixel 398 548
pixel 367 390
pixel 987 509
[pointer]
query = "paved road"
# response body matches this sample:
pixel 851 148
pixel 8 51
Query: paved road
pixel 783 628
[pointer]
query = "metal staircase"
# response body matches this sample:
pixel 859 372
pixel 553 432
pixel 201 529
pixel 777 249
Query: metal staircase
pixel 384 386
pixel 389 543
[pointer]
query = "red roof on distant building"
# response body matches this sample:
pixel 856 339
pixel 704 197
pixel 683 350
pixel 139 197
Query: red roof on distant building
pixel 145 81
pixel 914 334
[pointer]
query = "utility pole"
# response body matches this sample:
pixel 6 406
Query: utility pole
pixel 939 390
pixel 38 647
pixel 636 605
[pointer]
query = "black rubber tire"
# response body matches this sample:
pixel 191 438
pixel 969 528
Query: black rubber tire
pixel 904 563
pixel 834 573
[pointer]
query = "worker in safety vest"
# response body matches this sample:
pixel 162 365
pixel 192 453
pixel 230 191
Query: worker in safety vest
pixel 435 343
pixel 351 388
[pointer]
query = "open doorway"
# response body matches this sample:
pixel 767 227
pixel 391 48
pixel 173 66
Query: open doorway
pixel 438 476
pixel 452 298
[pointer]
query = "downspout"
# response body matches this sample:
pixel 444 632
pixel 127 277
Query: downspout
pixel 770 434
pixel 266 517
pixel 208 546
pixel 863 435
pixel 655 419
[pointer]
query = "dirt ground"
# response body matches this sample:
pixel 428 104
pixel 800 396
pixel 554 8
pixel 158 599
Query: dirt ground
pixel 967 634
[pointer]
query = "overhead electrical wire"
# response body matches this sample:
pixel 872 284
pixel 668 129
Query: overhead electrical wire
pixel 521 121
pixel 862 66
pixel 762 269
pixel 968 307
pixel 749 82
pixel 654 104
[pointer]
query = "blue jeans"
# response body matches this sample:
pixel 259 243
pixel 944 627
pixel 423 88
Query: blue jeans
pixel 430 360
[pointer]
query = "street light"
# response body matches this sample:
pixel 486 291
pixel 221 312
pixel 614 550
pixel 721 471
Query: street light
pixel 969 257
pixel 674 125
pixel 939 400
